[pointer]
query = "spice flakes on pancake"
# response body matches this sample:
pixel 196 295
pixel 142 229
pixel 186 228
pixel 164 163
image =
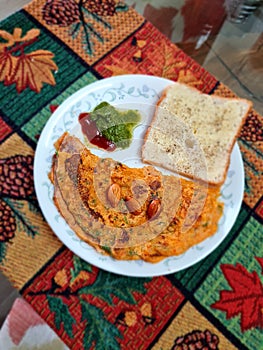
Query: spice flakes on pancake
pixel 140 201
pixel 130 213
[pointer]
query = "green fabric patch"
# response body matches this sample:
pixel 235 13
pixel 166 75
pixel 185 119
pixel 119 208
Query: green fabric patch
pixel 20 106
pixel 37 123
pixel 243 251
pixel 190 277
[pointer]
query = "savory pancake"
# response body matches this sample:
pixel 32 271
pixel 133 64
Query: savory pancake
pixel 66 195
pixel 130 213
pixel 123 197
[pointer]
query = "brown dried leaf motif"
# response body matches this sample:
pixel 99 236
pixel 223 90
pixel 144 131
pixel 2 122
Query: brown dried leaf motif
pixel 25 69
pixel 9 40
pixel 33 70
pixel 7 64
pixel 16 37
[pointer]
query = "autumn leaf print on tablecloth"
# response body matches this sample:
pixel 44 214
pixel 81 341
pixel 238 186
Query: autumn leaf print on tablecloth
pixel 94 293
pixel 23 68
pixel 245 297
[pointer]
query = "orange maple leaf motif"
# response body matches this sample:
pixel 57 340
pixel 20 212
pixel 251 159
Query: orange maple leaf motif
pixel 25 69
pixel 245 298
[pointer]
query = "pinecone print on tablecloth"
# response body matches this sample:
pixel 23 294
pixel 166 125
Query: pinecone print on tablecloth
pixel 62 13
pixel 16 193
pixel 16 177
pixel 7 222
pixel 101 7
pixel 204 340
pixel 87 20
pixel 16 181
pixel 252 130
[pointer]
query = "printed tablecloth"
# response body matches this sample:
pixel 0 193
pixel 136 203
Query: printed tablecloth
pixel 24 329
pixel 48 51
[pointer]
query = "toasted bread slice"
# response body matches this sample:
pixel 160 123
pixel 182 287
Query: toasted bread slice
pixel 193 133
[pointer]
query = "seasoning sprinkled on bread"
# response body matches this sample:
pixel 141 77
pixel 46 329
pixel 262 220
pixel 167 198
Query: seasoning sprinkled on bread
pixel 193 133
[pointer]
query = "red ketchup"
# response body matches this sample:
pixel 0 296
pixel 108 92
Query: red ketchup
pixel 89 128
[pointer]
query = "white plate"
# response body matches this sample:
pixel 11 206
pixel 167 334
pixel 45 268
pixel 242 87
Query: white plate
pixel 129 91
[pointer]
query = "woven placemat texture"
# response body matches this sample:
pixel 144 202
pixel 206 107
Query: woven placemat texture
pixel 47 52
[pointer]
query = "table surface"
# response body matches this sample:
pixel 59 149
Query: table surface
pixel 233 55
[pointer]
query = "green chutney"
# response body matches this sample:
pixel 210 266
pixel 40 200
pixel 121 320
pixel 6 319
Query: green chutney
pixel 114 124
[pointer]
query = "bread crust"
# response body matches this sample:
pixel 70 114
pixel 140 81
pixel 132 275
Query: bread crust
pixel 229 151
